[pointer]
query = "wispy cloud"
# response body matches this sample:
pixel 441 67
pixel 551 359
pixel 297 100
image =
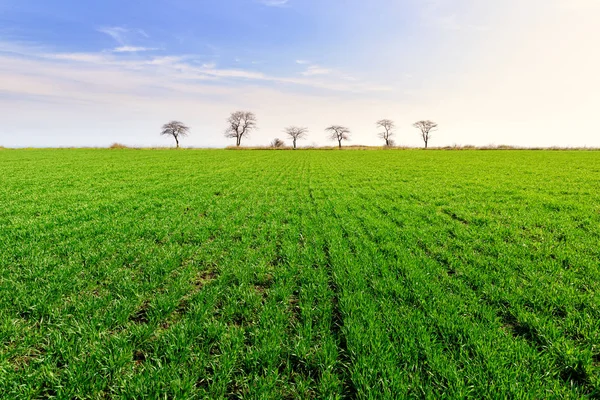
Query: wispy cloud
pixel 274 3
pixel 75 57
pixel 133 49
pixel 123 35
pixel 178 69
pixel 115 32
pixel 316 70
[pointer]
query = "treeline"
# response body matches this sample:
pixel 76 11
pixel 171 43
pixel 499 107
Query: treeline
pixel 241 124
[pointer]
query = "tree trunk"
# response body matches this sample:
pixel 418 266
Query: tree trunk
pixel 177 142
pixel 426 144
pixel 238 141
pixel 294 144
pixel 340 143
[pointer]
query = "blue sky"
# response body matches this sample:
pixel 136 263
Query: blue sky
pixel 89 73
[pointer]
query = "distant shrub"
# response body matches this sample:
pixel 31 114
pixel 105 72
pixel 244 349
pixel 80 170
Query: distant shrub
pixel 277 143
pixel 498 147
pixel 117 146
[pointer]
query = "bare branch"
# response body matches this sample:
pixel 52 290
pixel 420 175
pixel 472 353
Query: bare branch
pixel 295 133
pixel 241 124
pixel 176 129
pixel 339 133
pixel 388 127
pixel 426 127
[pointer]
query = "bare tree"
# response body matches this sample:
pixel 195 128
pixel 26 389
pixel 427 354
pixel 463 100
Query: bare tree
pixel 277 143
pixel 388 127
pixel 426 127
pixel 338 133
pixel 241 124
pixel 295 133
pixel 176 129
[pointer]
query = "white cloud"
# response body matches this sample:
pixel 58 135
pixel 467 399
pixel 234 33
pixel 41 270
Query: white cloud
pixel 186 67
pixel 133 49
pixel 166 60
pixel 316 70
pixel 95 58
pixel 274 3
pixel 123 35
pixel 116 32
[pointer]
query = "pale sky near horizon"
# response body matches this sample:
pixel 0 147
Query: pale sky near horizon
pixel 515 72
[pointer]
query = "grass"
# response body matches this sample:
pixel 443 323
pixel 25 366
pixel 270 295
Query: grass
pixel 216 274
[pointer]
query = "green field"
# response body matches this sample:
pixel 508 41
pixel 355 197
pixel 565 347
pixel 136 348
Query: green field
pixel 308 274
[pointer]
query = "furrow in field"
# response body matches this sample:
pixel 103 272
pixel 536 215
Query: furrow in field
pixel 337 196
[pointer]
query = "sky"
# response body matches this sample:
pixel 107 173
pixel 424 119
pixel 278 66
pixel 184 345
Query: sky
pixel 91 73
